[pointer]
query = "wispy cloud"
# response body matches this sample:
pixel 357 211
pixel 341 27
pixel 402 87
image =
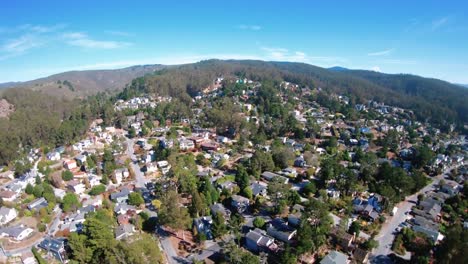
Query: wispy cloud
pixel 250 27
pixel 82 40
pixel 118 33
pixel 440 22
pixel 381 53
pixel 282 54
pixel 24 38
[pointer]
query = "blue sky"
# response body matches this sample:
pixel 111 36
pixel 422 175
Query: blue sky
pixel 428 38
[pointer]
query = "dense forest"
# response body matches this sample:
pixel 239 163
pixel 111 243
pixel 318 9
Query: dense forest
pixel 43 120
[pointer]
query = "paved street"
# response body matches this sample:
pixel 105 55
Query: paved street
pixel 386 234
pixel 140 180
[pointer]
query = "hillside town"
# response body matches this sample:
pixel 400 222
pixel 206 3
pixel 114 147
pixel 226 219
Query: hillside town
pixel 339 182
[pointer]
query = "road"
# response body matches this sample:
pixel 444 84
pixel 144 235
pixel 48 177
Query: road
pixel 386 234
pixel 171 253
pixel 140 180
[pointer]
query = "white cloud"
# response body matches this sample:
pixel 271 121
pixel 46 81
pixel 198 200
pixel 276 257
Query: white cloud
pixel 82 40
pixel 118 33
pixel 250 27
pixel 381 53
pixel 376 69
pixel 438 23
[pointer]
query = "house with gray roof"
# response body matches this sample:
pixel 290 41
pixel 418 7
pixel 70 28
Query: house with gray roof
pixel 335 257
pixel 54 247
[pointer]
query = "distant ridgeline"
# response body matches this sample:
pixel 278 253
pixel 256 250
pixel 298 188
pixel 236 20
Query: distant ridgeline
pixel 436 101
pixel 39 119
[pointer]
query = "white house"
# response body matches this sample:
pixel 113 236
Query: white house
pixel 151 167
pixel 69 164
pixel 7 215
pixel 19 232
pixel 186 144
pixel 76 187
pixel 54 156
pixel 94 180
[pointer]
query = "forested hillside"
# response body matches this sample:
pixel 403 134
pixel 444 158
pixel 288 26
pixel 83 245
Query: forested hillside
pixel 439 102
pixel 45 120
pixel 75 84
pixel 40 119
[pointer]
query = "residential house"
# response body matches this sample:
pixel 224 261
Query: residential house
pixel 18 232
pixel 258 241
pixel 8 195
pixel 59 193
pixel 151 167
pixel 335 257
pixel 164 166
pixel 219 208
pixel 228 185
pixel 94 180
pixel 203 226
pixel 450 187
pixel 166 143
pixel 70 164
pixel 121 174
pixel 53 156
pixel 186 144
pixel 124 231
pixel 76 186
pixel 7 215
pixel 300 162
pixel 54 247
pixel 80 159
pixel 361 256
pixel 121 196
pixel 427 227
pixel 209 147
pixel 343 239
pixel 259 189
pixel 38 204
pixel 125 208
pixel 269 176
pixel 280 230
pixel 240 203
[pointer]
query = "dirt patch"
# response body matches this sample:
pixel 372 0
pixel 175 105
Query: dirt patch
pixel 6 108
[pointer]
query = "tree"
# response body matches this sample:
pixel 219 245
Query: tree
pixel 453 246
pixel 80 252
pixel 242 177
pixel 219 227
pixel 135 199
pixel 198 206
pixel 98 189
pixel 355 228
pixel 38 190
pixel 370 244
pixel 277 190
pixel 156 203
pixel 29 189
pixel 309 189
pixel 70 202
pixel 131 132
pixel 259 222
pixel 67 175
pixel 172 214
